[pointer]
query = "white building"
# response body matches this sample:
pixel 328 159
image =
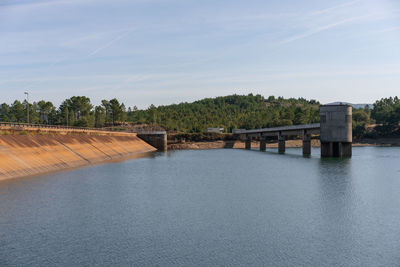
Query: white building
pixel 215 130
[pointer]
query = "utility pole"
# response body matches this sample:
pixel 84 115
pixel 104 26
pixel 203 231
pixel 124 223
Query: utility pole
pixel 27 105
pixel 67 116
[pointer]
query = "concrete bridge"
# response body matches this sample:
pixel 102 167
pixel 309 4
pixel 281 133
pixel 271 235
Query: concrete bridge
pixel 334 129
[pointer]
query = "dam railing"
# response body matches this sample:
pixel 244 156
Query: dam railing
pixel 48 126
pixel 21 125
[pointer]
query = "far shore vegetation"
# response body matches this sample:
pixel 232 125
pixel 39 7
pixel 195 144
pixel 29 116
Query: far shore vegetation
pixel 228 112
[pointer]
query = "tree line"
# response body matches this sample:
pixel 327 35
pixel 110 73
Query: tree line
pixel 228 112
pixel 75 111
pixel 382 120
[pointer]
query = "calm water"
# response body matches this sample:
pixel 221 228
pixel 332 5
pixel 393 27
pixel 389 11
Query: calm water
pixel 215 207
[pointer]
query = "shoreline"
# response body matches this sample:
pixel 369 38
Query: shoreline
pixel 218 144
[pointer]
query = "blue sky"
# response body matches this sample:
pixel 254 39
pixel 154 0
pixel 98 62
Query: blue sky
pixel 168 51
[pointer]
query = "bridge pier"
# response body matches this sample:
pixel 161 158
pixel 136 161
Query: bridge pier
pixel 281 143
pixel 336 149
pixel 306 143
pixel 248 142
pixel 263 143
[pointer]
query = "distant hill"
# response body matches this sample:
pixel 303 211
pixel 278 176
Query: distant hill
pixel 230 112
pixel 371 106
pixel 356 106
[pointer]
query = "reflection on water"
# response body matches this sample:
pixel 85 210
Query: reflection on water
pixel 215 207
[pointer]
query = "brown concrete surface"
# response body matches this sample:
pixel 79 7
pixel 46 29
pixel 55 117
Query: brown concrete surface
pixel 25 155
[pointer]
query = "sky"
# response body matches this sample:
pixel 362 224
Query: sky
pixel 170 51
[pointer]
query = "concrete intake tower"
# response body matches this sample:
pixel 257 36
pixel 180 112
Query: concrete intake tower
pixel 336 130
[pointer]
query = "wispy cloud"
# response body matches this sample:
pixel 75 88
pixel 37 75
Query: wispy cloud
pixel 41 3
pixel 193 46
pixel 317 30
pixel 328 18
pixel 110 43
pixel 330 9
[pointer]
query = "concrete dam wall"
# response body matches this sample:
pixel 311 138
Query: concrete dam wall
pixel 32 154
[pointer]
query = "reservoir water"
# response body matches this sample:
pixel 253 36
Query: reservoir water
pixel 213 207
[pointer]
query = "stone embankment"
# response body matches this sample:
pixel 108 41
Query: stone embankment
pixel 289 144
pixel 32 153
pixel 234 144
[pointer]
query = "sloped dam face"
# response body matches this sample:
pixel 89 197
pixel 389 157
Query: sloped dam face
pixel 24 155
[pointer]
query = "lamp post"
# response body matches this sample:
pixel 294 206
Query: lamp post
pixel 27 105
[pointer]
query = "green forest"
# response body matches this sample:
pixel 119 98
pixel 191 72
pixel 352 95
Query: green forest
pixel 228 112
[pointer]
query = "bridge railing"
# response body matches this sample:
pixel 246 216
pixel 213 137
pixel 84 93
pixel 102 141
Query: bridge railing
pixel 310 126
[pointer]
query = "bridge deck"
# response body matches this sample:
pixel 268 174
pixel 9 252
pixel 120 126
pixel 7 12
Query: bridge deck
pixel 312 126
